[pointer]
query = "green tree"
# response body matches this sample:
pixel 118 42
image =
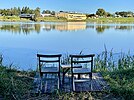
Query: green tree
pixel 4 12
pixel 43 12
pixel 27 10
pixel 0 11
pixel 37 12
pixel 109 14
pixel 15 11
pixel 19 10
pixel 117 13
pixel 53 12
pixel 31 11
pixel 46 12
pixel 8 12
pixel 125 13
pixel 23 10
pixel 101 12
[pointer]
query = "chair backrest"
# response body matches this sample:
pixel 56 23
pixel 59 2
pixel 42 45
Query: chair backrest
pixel 48 59
pixel 81 59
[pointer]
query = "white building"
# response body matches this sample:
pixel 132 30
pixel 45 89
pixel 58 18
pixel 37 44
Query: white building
pixel 44 15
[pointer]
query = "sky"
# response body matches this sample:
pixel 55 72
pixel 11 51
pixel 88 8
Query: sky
pixel 84 6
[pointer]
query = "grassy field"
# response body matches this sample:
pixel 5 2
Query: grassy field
pixel 98 20
pixel 119 73
pixel 55 19
pixel 14 84
pixel 38 19
pixel 13 19
pixel 112 20
pixel 121 82
pixel 18 85
pixel 50 19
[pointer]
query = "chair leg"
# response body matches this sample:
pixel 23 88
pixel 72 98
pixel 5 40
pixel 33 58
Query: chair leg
pixel 45 86
pixel 91 81
pixel 91 84
pixel 63 77
pixel 59 81
pixel 73 85
pixel 40 83
pixel 91 76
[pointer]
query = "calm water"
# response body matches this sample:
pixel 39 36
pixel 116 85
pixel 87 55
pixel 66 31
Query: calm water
pixel 20 42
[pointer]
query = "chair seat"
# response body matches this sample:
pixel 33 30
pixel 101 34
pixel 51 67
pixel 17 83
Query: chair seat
pixel 49 70
pixel 81 80
pixel 81 70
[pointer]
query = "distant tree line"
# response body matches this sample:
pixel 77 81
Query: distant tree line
pixel 17 11
pixel 125 14
pixel 26 10
pixel 102 13
pixel 48 12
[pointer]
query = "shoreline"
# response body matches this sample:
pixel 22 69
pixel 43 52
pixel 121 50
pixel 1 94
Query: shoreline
pixel 55 19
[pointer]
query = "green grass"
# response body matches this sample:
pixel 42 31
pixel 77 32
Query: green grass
pixel 16 84
pixel 50 19
pixel 13 19
pixel 118 73
pixel 78 96
pixel 121 82
pixel 112 20
pixel 55 19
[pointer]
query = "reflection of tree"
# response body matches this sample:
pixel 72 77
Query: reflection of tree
pixel 12 28
pixel 27 28
pixel 47 27
pixel 25 31
pixel 18 28
pixel 90 26
pixel 124 27
pixel 53 26
pixel 37 27
pixel 101 29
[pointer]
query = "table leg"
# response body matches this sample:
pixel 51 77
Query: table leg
pixel 64 72
pixel 63 77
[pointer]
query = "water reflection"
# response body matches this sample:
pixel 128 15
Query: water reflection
pixel 68 26
pixel 124 27
pixel 27 28
pixel 101 28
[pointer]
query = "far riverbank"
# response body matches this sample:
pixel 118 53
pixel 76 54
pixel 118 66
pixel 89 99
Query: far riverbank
pixel 55 19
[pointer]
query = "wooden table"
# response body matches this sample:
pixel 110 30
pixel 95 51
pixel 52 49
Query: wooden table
pixel 66 68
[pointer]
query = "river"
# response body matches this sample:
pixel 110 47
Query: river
pixel 21 41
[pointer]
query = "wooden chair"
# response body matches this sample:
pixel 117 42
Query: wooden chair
pixel 49 64
pixel 84 60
